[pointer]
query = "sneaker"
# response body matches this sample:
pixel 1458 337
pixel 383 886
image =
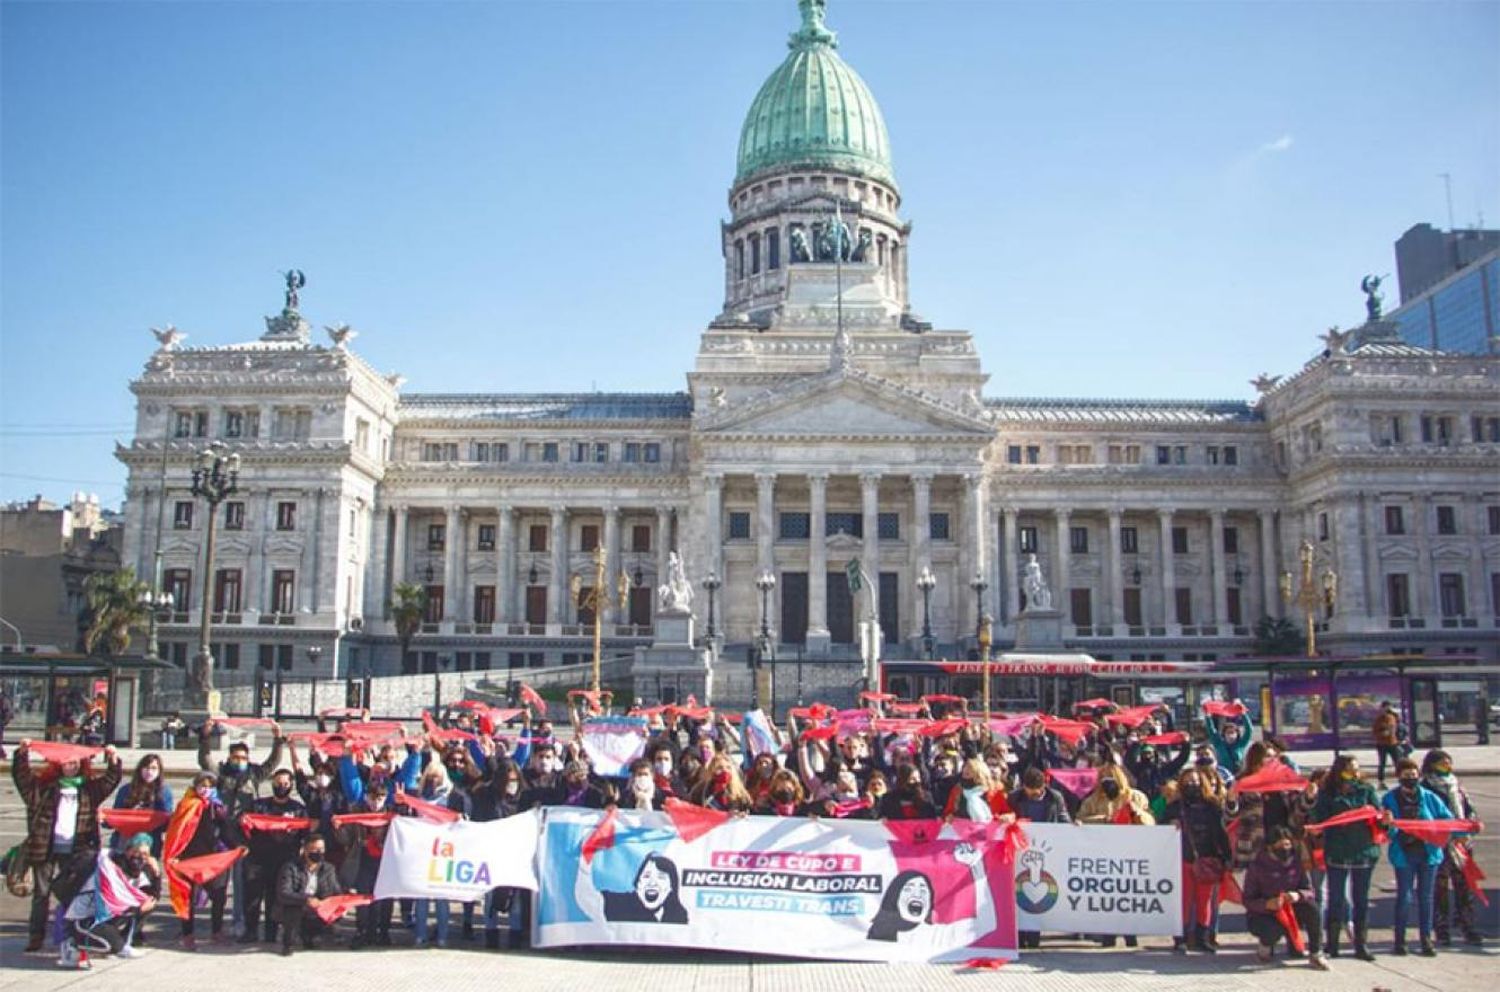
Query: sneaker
pixel 188 942
pixel 1318 962
pixel 67 954
pixel 130 953
pixel 1427 950
pixel 1399 950
pixel 1262 954
pixel 1295 955
pixel 35 944
pixel 286 950
pixel 1474 938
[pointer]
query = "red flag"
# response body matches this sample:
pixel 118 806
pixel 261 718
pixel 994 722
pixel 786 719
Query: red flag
pixel 1124 816
pixel 878 697
pixel 843 810
pixel 1274 777
pixel 897 726
pixel 242 722
pixel 1099 703
pixel 692 821
pixel 373 728
pixel 589 695
pixel 251 822
pixel 1170 737
pixel 1364 814
pixel 206 867
pixel 942 728
pixel 1288 921
pixel 329 910
pixel 363 819
pixel 1069 731
pixel 820 733
pixel 1132 717
pixel 336 711
pixel 943 697
pixel 1229 889
pixel 531 697
pixel 1217 707
pixel 328 745
pixel 134 821
pixel 443 734
pixel 59 753
pixel 603 836
pixel 431 812
pixel 986 964
pixel 906 709
pixel 1436 832
pixel 1473 875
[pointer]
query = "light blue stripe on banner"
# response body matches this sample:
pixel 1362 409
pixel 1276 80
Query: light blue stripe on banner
pixel 777 902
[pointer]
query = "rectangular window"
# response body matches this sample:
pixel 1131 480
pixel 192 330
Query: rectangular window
pixel 794 526
pixel 588 537
pixel 773 249
pixel 754 254
pixel 1445 430
pixel 499 451
pixel 1492 513
pixel 228 655
pixel 1397 595
pixel 200 423
pixel 179 582
pixel 549 451
pixel 739 525
pixel 1211 453
pixel 1179 454
pixel 1078 542
pixel 580 451
pixel 1236 615
pixel 1231 540
pixel 583 606
pixel 182 424
pixel 852 524
pixel 437 536
pixel 536 537
pixel 1447 520
pixel 1028 540
pixel 1179 540
pixel 640 606
pixel 1184 600
pixel 1231 455
pixel 1451 594
pixel 267 653
pixel 888 526
pixel 362 435
pixel 601 451
pixel 1427 428
pixel 234 423
pixel 486 537
pixel 938 526
pixel 631 452
pixel 1132 605
pixel 1033 454
pixel 1082 603
pixel 286 516
pixel 1013 454
pixel 1129 542
pixel 182 515
pixel 652 452
pixel 1395 520
pixel 283 590
pixel 1322 526
pixel 640 537
pixel 234 515
pixel 434 612
pixel 227 590
pixel 1163 454
pixel 484 604
pixel 536 605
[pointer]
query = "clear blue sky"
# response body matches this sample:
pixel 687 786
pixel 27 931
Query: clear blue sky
pixel 1118 199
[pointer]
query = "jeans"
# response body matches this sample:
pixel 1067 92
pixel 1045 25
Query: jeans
pixel 1382 752
pixel 1419 878
pixel 237 896
pixel 419 920
pixel 1357 881
pixel 42 877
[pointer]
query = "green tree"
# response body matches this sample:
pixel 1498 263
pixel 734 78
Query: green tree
pixel 1277 637
pixel 408 608
pixel 115 611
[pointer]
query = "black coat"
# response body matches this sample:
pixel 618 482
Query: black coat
pixel 291 883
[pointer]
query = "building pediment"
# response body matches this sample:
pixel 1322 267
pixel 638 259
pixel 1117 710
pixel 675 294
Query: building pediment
pixel 846 403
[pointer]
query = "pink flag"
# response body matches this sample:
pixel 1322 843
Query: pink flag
pixel 1079 781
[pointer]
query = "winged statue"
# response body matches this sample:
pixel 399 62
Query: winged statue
pixel 168 337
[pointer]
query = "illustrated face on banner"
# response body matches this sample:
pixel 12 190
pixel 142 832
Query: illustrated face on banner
pixel 654 884
pixel 914 899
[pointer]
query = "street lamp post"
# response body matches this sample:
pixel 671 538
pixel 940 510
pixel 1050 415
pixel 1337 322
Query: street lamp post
pixel 982 637
pixel 597 599
pixel 156 601
pixel 215 479
pixel 1310 593
pixel 765 582
pixel 925 582
pixel 711 584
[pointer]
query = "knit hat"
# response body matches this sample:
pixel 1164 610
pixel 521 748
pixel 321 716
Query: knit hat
pixel 139 840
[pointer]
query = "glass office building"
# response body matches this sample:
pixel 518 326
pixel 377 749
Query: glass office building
pixel 1459 314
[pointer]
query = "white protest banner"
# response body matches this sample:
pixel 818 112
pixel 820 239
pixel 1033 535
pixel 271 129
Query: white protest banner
pixel 1100 879
pixel 613 742
pixel 841 890
pixel 457 861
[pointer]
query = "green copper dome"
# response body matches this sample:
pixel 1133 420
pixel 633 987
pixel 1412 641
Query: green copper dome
pixel 814 111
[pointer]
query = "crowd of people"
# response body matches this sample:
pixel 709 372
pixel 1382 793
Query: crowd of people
pixel 268 847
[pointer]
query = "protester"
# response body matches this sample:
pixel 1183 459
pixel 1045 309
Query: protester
pixel 909 800
pixel 1113 800
pixel 269 850
pixel 1453 902
pixel 199 827
pixel 1387 731
pixel 1416 860
pixel 238 781
pixel 1038 802
pixel 142 870
pixel 1350 852
pixel 366 846
pixel 1199 814
pixel 62 819
pixel 148 790
pixel 1230 738
pixel 719 787
pixel 171 726
pixel 1275 884
pixel 783 796
pixel 301 885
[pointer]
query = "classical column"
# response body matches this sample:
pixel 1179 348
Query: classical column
pixel 1216 555
pixel 255 562
pixel 465 590
pixel 765 520
pixel 1421 522
pixel 557 582
pixel 869 492
pixel 921 545
pixel 1116 568
pixel 307 569
pixel 664 541
pixel 817 559
pixel 505 565
pixel 1061 579
pixel 1010 597
pixel 1168 570
pixel 453 540
pixel 1478 591
pixel 398 555
pixel 974 489
pixel 613 566
pixel 1270 591
pixel 713 527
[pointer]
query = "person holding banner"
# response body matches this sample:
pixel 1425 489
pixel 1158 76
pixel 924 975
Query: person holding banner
pixel 1413 855
pixel 301 885
pixel 909 800
pixel 1280 902
pixel 145 790
pixel 270 848
pixel 1451 886
pixel 1113 800
pixel 1350 853
pixel 239 781
pixel 365 840
pixel 719 787
pixel 62 803
pixel 1198 813
pixel 976 796
pixel 434 787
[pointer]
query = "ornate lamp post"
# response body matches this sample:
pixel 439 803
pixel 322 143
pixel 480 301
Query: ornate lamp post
pixel 155 601
pixel 925 582
pixel 314 655
pixel 765 582
pixel 982 637
pixel 596 600
pixel 215 479
pixel 1310 593
pixel 711 584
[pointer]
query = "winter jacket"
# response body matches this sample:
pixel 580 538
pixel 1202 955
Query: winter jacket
pixel 291 883
pixel 1203 834
pixel 41 796
pixel 1352 845
pixel 273 848
pixel 1268 876
pixel 238 787
pixel 1150 776
pixel 1099 808
pixel 1231 756
pixel 1430 806
pixel 163 802
pixel 1050 808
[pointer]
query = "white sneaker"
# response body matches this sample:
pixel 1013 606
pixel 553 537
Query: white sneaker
pixel 1317 962
pixel 129 953
pixel 69 957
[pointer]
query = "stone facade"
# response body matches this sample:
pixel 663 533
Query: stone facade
pixel 47 553
pixel 824 421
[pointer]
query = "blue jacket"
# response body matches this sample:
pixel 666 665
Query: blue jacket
pixel 1431 807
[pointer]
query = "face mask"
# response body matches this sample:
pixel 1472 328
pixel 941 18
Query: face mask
pixel 1230 736
pixel 324 781
pixel 204 791
pixel 512 787
pixel 1111 788
pixel 70 781
pixel 1444 770
pixel 136 865
pixel 238 764
pixel 721 780
pixel 314 857
pixel 281 791
pixel 663 767
pixel 1192 791
pixel 1409 784
pixel 150 774
pixel 782 796
pixel 1204 762
pixel 643 784
pixel 1282 853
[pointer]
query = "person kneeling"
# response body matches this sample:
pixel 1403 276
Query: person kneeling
pixel 304 882
pixel 1279 900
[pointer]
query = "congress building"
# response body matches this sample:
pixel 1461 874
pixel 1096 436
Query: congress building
pixel 823 423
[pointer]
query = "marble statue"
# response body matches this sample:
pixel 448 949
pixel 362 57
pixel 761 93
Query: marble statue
pixel 676 594
pixel 861 251
pixel 1038 596
pixel 800 252
pixel 168 337
pixel 295 280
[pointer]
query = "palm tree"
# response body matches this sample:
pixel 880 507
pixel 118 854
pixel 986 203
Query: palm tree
pixel 115 610
pixel 408 608
pixel 1277 637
